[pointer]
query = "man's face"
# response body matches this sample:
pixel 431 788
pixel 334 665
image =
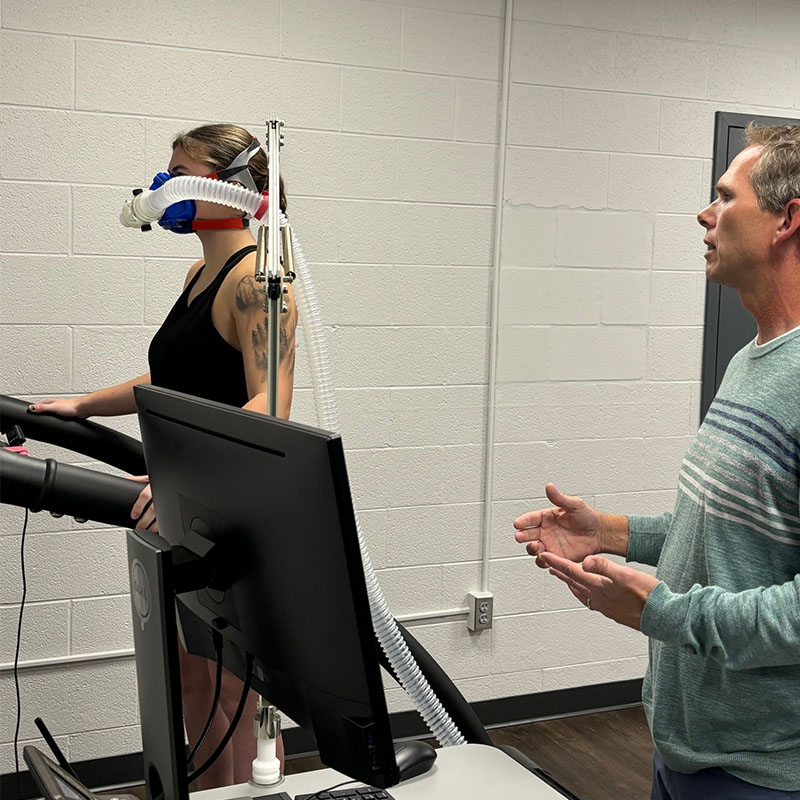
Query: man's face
pixel 738 233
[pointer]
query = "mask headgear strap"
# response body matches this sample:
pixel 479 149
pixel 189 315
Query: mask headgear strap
pixel 237 171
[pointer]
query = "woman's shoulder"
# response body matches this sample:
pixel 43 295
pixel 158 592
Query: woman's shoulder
pixel 240 288
pixel 244 294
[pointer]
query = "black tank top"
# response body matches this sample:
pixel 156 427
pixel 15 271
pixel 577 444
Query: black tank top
pixel 187 354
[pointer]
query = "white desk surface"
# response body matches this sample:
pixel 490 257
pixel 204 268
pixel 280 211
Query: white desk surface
pixel 465 772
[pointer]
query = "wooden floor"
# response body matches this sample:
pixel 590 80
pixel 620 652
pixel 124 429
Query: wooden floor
pixel 603 756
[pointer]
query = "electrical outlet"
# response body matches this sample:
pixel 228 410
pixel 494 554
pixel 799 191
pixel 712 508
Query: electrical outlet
pixel 481 610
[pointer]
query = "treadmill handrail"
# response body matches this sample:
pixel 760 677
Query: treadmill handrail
pixel 80 435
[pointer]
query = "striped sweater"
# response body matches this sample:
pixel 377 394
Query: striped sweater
pixel 723 683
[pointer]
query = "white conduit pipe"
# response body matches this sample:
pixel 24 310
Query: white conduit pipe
pixel 494 334
pixel 147 207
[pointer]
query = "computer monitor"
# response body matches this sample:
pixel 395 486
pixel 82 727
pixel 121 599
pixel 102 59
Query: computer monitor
pixel 273 499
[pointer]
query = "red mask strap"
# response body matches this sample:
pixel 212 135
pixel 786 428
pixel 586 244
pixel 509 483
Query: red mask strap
pixel 219 224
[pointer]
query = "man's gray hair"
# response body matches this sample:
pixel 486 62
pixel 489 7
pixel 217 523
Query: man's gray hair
pixel 776 175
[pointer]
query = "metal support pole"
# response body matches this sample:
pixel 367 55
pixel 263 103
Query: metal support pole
pixel 274 294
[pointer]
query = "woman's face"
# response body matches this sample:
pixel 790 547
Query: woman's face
pixel 183 164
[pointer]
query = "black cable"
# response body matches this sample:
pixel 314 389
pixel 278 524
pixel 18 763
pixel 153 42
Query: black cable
pixel 216 637
pixel 231 728
pixel 19 640
pixel 54 748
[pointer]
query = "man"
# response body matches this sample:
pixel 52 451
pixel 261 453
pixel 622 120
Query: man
pixel 722 690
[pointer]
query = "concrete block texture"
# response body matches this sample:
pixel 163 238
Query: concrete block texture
pixel 625 297
pixel 551 56
pixel 626 16
pixel 559 413
pixel 398 104
pixel 540 10
pixel 70 146
pixel 748 76
pixel 610 122
pixel 325 164
pixel 466 45
pixel 776 23
pixel 477 107
pixel 22 228
pixel 677 298
pixel 239 27
pixel 548 178
pixel 656 66
pixel 656 183
pixel 52 348
pixel 73 291
pixel 305 95
pixel 101 624
pixel 82 699
pixel 103 743
pixel 353 32
pixel 538 640
pixel 108 355
pixel 64 566
pixel 43 633
pixel 102 66
pixel 415 233
pixel 617 669
pixel 588 466
pixel 535 115
pixel 604 239
pixel 550 296
pixel 36 70
pixel 678 243
pixel 723 21
pixel 446 172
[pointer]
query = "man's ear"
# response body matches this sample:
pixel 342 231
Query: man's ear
pixel 790 224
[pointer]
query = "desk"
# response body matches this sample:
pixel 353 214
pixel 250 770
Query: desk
pixel 464 772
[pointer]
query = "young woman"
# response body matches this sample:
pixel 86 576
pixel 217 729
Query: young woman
pixel 213 344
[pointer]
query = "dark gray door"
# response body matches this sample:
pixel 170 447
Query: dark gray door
pixel 728 327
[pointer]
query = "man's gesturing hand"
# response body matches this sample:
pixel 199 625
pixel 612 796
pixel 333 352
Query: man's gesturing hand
pixel 615 591
pixel 571 529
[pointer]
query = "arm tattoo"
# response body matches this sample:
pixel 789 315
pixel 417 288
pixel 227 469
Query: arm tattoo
pixel 249 294
pixel 259 338
pixel 287 346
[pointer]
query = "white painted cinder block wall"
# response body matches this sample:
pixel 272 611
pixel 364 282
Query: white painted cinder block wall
pixel 392 113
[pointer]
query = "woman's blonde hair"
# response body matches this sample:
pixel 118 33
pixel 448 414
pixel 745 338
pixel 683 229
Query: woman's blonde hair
pixel 218 145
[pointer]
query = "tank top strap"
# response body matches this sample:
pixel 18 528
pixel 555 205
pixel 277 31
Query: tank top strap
pixel 196 277
pixel 233 261
pixel 206 297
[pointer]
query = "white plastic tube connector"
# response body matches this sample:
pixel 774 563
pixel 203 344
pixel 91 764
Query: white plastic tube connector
pixel 266 766
pixel 150 207
pixel 149 204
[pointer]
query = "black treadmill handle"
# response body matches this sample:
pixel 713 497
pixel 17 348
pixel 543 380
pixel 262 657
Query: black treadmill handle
pixel 65 489
pixel 93 440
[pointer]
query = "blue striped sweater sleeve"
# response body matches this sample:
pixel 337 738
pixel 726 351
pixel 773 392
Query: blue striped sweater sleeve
pixel 754 628
pixel 646 536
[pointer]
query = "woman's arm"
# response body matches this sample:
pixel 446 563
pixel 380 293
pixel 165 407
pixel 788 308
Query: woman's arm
pixel 111 402
pixel 250 320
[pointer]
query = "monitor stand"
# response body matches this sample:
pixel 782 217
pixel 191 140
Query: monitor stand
pixel 155 635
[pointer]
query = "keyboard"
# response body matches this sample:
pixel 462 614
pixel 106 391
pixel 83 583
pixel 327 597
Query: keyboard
pixel 359 793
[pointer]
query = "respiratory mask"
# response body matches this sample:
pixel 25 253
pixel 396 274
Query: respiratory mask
pixel 181 217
